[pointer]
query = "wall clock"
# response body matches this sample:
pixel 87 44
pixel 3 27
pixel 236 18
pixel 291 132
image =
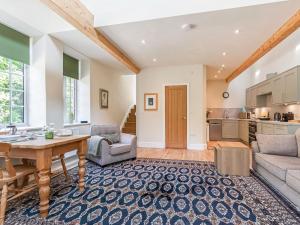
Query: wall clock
pixel 225 94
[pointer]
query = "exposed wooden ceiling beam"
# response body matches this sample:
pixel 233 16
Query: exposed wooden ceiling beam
pixel 283 32
pixel 74 12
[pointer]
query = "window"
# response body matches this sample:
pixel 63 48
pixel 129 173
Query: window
pixel 70 88
pixel 12 91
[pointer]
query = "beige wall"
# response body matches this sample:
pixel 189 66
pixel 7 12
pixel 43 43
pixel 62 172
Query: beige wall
pixel 150 125
pixel 121 90
pixel 236 89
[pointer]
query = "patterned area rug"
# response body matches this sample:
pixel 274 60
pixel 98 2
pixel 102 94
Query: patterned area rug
pixel 155 192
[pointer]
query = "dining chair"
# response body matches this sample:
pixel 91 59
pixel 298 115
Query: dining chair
pixel 63 164
pixel 9 177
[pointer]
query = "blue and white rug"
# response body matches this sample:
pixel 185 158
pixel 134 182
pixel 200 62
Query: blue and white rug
pixel 155 192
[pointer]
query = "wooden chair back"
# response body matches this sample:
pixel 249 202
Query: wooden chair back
pixel 5 149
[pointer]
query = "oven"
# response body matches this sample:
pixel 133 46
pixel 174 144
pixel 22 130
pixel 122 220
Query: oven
pixel 252 131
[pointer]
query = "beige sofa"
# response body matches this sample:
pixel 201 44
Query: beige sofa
pixel 277 159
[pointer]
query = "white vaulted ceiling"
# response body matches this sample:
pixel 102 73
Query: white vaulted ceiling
pixel 158 22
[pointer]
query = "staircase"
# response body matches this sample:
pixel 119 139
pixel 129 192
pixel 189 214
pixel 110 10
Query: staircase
pixel 130 124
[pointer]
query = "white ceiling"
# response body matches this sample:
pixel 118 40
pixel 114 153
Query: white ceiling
pixel 109 12
pixel 213 34
pixel 159 23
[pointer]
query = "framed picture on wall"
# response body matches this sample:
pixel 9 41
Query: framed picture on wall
pixel 103 99
pixel 150 101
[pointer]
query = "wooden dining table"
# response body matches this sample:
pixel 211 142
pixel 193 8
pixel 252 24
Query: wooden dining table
pixel 42 151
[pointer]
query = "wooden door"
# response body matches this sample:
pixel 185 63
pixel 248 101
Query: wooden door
pixel 176 116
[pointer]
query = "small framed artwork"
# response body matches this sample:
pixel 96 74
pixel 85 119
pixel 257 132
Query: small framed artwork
pixel 103 99
pixel 150 101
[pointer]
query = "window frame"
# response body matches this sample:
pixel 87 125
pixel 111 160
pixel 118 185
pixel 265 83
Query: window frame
pixel 75 99
pixel 25 93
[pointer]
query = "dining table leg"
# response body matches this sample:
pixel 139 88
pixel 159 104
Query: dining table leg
pixel 44 161
pixel 81 152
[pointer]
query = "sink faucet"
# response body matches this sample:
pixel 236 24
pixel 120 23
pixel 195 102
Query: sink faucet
pixel 226 114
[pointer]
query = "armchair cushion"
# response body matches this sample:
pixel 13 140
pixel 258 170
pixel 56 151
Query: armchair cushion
pixel 113 137
pixel 284 145
pixel 117 149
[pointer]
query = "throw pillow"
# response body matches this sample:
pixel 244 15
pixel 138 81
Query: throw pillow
pixel 298 140
pixel 285 145
pixel 114 138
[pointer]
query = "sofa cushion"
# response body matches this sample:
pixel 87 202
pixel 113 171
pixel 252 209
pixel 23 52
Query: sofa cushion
pixel 117 149
pixel 284 145
pixel 293 179
pixel 277 165
pixel 298 140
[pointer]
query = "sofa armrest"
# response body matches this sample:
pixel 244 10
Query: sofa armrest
pixel 127 138
pixel 254 146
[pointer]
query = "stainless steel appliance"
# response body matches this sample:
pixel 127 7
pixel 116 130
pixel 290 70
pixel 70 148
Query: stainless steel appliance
pixel 290 116
pixel 285 117
pixel 277 116
pixel 252 131
pixel 215 130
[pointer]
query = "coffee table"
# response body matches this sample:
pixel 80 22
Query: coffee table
pixel 232 158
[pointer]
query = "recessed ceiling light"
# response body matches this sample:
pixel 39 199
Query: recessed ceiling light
pixel 188 26
pixel 154 60
pixel 143 42
pixel 237 31
pixel 223 65
pixel 216 76
pixel 219 71
pixel 224 53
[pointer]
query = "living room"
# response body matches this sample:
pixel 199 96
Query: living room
pixel 182 113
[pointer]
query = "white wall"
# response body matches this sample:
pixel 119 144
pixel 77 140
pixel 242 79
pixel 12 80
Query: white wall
pixel 121 90
pixel 150 125
pixel 283 57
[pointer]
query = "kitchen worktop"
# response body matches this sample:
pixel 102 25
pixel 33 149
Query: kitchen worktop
pixel 259 121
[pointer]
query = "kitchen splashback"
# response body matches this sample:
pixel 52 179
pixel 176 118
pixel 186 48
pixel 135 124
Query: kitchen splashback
pixel 281 109
pixel 220 112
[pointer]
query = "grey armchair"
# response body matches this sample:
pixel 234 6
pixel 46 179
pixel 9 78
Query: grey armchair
pixel 123 150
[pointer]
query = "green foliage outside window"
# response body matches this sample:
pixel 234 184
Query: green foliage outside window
pixel 11 91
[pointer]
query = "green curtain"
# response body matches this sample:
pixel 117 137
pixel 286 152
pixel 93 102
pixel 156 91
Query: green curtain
pixel 71 67
pixel 14 45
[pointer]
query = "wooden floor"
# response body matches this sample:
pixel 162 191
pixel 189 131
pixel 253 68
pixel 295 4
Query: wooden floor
pixel 178 154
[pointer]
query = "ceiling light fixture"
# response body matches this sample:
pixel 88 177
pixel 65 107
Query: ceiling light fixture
pixel 223 65
pixel 216 76
pixel 187 26
pixel 224 53
pixel 219 71
pixel 154 60
pixel 237 31
pixel 143 42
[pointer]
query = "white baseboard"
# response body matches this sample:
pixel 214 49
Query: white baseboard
pixel 150 145
pixel 197 147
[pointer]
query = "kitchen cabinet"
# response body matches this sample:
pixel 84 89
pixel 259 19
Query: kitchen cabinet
pixel 277 90
pixel 291 85
pixel 230 129
pixel 281 129
pixel 251 97
pixel 244 130
pixel 264 88
pixel 267 128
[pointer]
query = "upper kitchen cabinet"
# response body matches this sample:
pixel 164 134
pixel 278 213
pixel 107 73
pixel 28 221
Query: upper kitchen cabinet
pixel 264 88
pixel 277 90
pixel 286 87
pixel 251 97
pixel 291 85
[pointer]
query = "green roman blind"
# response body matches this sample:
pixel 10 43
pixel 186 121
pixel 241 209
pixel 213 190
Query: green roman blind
pixel 71 67
pixel 13 44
